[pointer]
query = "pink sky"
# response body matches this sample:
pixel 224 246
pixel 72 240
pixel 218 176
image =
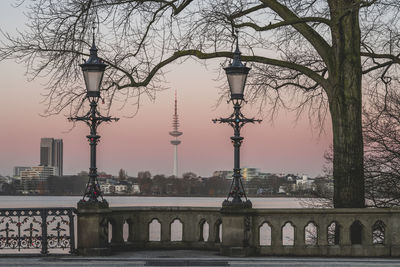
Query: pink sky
pixel 142 142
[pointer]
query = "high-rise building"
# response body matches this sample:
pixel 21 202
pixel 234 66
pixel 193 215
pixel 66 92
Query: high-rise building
pixel 46 151
pixel 58 156
pixel 51 154
pixel 175 133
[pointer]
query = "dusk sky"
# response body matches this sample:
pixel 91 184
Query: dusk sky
pixel 142 142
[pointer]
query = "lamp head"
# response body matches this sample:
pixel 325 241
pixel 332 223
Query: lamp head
pixel 93 71
pixel 237 73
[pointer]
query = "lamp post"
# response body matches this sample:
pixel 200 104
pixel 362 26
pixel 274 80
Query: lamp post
pixel 93 71
pixel 237 73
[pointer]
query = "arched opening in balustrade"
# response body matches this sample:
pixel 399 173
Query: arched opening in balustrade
pixel 204 230
pixel 311 234
pixel 378 233
pixel 125 230
pixel 333 234
pixel 218 231
pixel 176 227
pixel 110 229
pixel 154 230
pixel 356 230
pixel 288 234
pixel 265 234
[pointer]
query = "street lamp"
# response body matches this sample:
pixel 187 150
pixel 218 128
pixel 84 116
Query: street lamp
pixel 237 73
pixel 93 71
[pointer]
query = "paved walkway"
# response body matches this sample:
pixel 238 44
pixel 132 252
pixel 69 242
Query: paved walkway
pixel 191 258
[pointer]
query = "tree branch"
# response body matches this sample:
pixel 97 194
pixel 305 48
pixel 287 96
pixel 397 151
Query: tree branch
pixel 282 23
pixel 319 43
pixel 395 59
pixel 201 55
pixel 391 60
pixel 246 12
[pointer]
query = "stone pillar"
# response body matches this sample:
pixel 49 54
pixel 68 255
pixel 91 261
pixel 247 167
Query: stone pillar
pixel 392 232
pixel 366 238
pixel 131 231
pixel 345 225
pixel 322 229
pixel 117 231
pixel 93 229
pixel 299 234
pixel 190 230
pixel 211 232
pixel 237 231
pixel 142 231
pixel 165 228
pixel 276 233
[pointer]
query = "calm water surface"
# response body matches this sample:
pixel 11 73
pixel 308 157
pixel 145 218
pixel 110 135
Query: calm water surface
pixel 115 201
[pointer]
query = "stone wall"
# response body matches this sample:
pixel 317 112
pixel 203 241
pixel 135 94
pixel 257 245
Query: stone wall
pixel 153 227
pixel 327 232
pixel 244 232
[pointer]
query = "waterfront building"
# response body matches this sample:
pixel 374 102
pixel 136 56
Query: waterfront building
pixel 58 156
pixel 33 180
pixel 18 169
pixel 305 183
pixel 135 188
pixel 46 151
pixel 223 174
pixel 121 188
pixel 248 174
pixel 107 188
pixel 51 154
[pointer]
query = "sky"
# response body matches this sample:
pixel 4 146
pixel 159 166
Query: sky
pixel 142 142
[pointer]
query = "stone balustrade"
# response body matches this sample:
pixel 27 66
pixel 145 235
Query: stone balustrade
pixel 242 232
pixel 165 227
pixel 327 232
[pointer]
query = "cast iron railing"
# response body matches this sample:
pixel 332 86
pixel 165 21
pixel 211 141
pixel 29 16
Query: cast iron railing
pixel 46 229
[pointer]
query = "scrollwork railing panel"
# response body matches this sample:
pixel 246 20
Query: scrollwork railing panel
pixel 43 229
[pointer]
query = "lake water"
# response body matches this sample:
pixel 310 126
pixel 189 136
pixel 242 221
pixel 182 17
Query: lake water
pixel 125 201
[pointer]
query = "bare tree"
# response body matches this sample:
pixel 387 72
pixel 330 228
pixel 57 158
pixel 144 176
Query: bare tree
pixel 382 150
pixel 315 52
pixel 381 128
pixel 122 174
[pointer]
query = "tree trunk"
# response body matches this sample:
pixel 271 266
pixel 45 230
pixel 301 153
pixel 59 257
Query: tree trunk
pixel 345 105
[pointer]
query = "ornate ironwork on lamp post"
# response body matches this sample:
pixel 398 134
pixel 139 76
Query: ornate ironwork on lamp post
pixel 237 73
pixel 93 71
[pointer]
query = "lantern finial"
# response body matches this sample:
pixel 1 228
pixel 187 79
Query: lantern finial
pixel 93 49
pixel 236 55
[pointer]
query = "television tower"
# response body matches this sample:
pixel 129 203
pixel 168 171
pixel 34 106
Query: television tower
pixel 175 133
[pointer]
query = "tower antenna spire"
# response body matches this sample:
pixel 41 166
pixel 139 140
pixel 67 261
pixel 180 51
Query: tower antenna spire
pixel 175 133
